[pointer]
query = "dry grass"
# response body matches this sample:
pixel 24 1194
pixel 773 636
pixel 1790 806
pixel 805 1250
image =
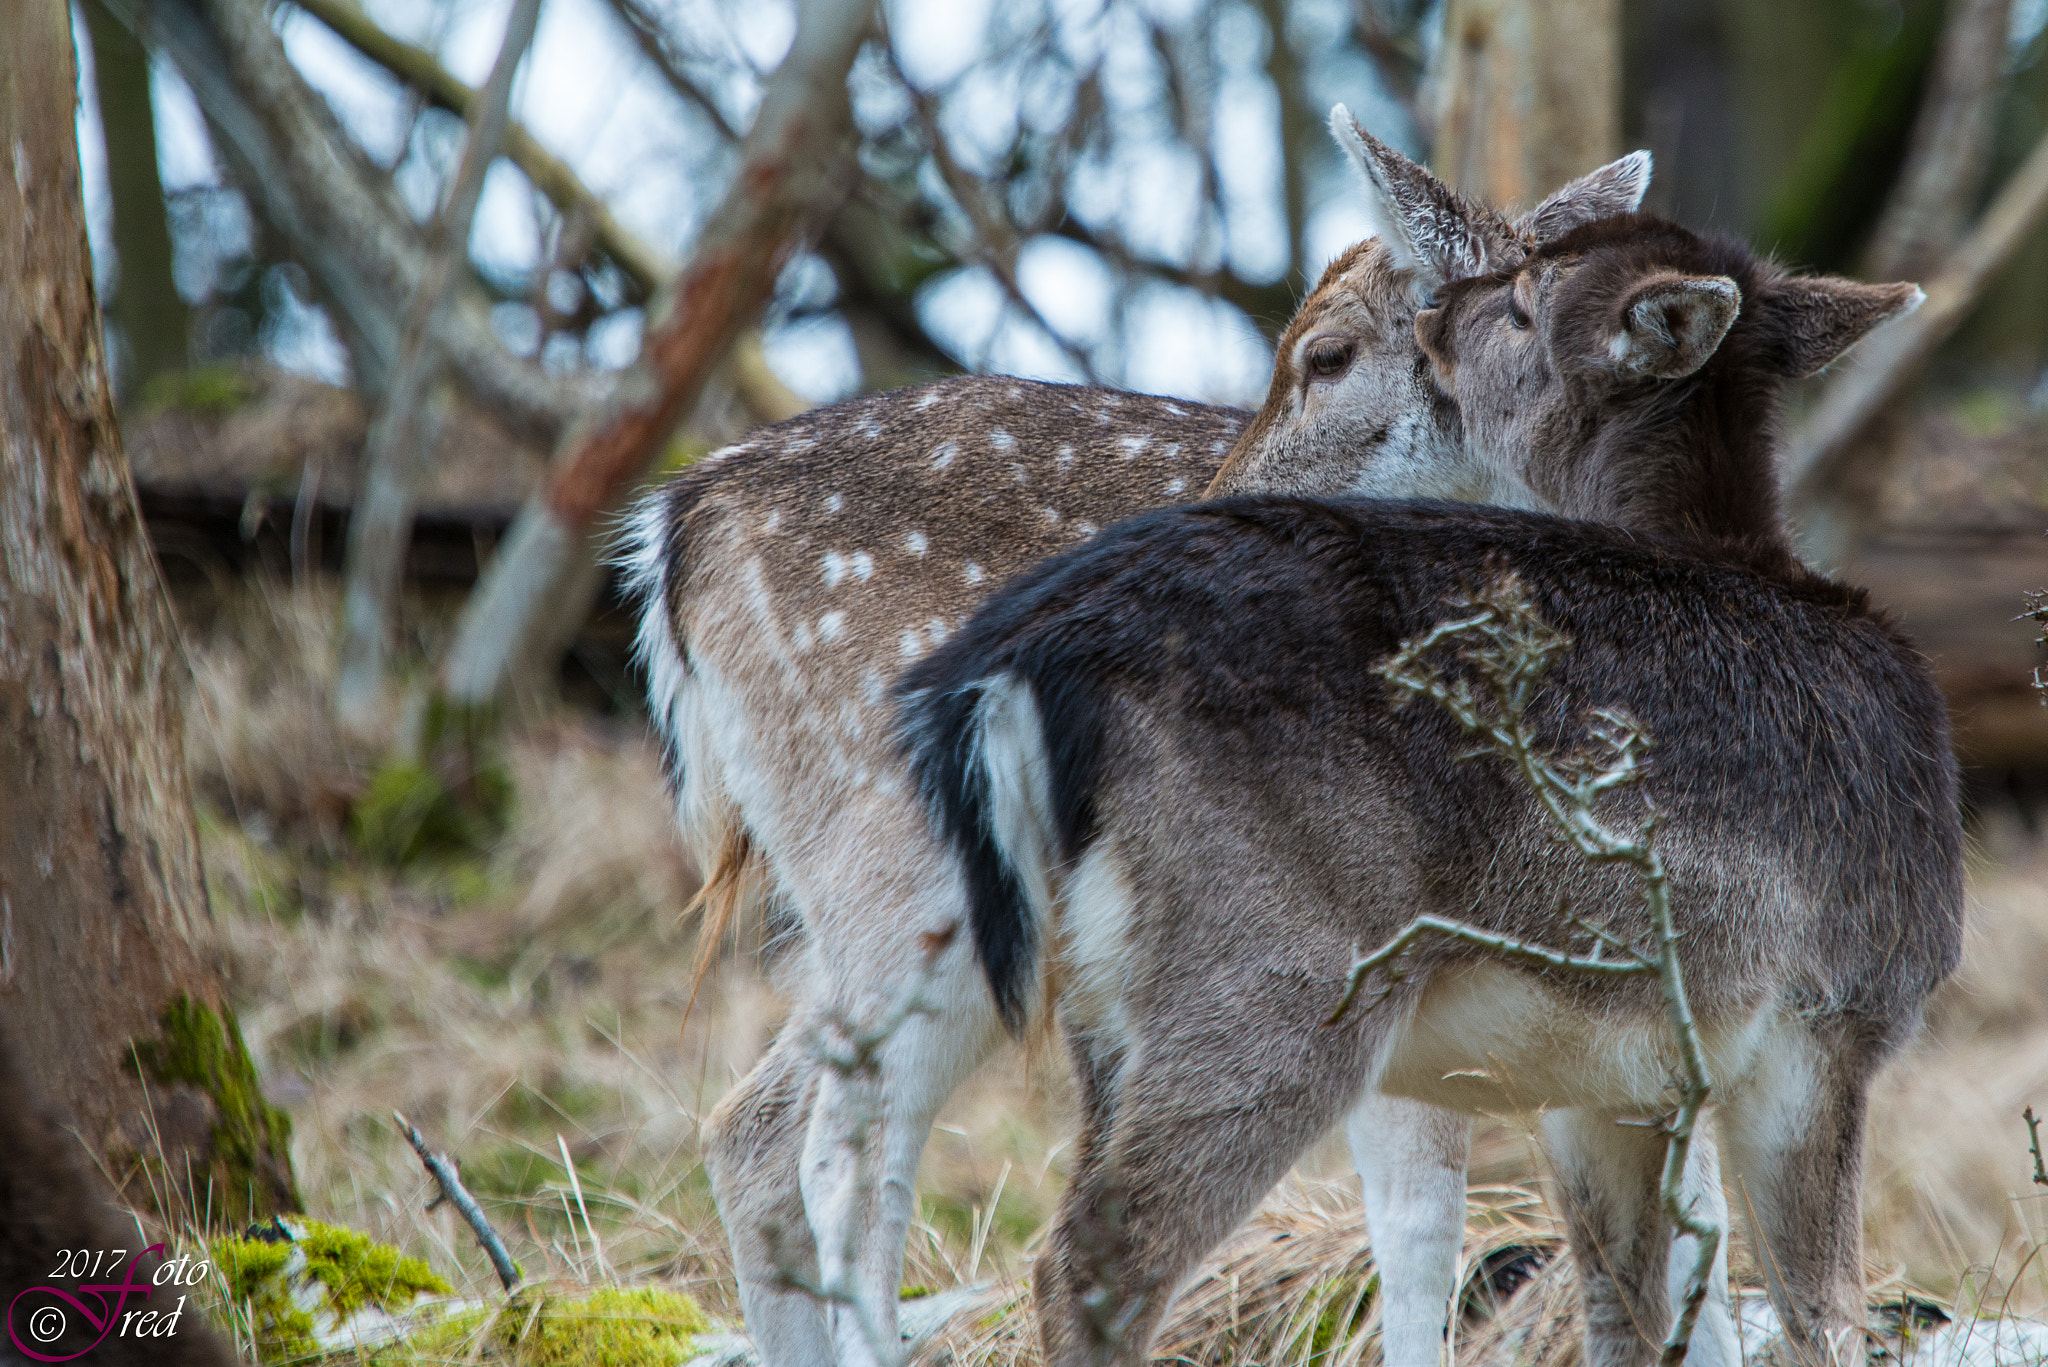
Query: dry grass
pixel 527 1000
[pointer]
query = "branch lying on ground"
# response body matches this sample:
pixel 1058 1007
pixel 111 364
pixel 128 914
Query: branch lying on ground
pixel 796 164
pixel 442 1168
pixel 1509 648
pixel 1887 361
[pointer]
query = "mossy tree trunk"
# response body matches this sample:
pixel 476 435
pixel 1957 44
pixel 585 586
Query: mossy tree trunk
pixel 106 984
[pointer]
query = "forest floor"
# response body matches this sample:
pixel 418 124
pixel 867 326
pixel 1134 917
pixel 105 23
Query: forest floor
pixel 523 994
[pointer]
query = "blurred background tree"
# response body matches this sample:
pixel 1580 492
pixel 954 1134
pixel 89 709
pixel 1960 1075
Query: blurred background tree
pixel 1134 192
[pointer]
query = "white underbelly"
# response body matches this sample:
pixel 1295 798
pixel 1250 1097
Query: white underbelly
pixel 1488 1037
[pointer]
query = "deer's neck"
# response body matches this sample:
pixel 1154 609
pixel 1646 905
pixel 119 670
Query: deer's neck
pixel 1699 466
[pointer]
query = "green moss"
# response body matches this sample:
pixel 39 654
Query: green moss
pixel 346 1272
pixel 209 391
pixel 447 797
pixel 615 1327
pixel 249 1160
pixel 1344 1301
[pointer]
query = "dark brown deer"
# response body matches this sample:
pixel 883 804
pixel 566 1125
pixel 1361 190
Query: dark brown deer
pixel 789 578
pixel 1166 766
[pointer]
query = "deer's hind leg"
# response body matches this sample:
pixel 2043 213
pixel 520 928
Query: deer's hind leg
pixel 1632 1273
pixel 753 1151
pixel 1187 1125
pixel 882 1076
pixel 1794 1134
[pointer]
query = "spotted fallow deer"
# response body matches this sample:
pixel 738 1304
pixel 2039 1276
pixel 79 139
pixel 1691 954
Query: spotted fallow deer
pixel 1167 770
pixel 786 580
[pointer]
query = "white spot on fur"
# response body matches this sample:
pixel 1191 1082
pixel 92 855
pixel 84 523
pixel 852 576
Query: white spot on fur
pixel 1176 410
pixel 770 523
pixel 1132 445
pixel 831 627
pixel 935 631
pixel 1065 456
pixel 1176 486
pixel 871 687
pixel 863 565
pixel 943 456
pixel 1172 452
pixel 1218 448
pixel 1001 440
pixel 833 503
pixel 1052 514
pixel 973 572
pixel 916 543
pixel 800 635
pixel 871 429
pixel 927 399
pixel 908 646
pixel 1084 527
pixel 832 568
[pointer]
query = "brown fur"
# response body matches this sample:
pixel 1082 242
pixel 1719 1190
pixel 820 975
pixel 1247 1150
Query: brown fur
pixel 1188 701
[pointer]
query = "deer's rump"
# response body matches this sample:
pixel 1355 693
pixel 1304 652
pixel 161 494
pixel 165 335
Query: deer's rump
pixel 1202 682
pixel 785 580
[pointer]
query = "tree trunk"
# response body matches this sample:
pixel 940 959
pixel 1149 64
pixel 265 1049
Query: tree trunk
pixel 1526 94
pixel 149 313
pixel 106 984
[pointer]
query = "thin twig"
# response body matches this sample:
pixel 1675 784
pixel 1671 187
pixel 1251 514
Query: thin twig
pixel 2034 1146
pixel 442 1169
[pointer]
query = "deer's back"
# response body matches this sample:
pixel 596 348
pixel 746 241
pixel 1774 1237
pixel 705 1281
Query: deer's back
pixel 846 542
pixel 1208 672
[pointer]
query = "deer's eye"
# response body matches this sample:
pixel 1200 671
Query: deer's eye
pixel 1328 356
pixel 1516 314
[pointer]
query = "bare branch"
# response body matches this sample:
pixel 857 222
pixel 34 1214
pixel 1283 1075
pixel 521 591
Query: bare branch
pixel 1509 648
pixel 397 458
pixel 2034 1147
pixel 341 216
pixel 417 67
pixel 1891 358
pixel 795 166
pixel 1950 147
pixel 442 1169
pixel 652 38
pixel 995 243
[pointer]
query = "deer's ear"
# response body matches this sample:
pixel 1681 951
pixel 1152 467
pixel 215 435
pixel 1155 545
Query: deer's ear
pixel 1616 188
pixel 1810 320
pixel 1670 324
pixel 1424 223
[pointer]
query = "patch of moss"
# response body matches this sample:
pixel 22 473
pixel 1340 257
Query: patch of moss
pixel 212 391
pixel 445 796
pixel 641 1326
pixel 1344 1303
pixel 249 1160
pixel 311 1279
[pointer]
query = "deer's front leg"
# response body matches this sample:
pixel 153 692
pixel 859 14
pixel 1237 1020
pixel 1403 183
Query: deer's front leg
pixel 1411 1159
